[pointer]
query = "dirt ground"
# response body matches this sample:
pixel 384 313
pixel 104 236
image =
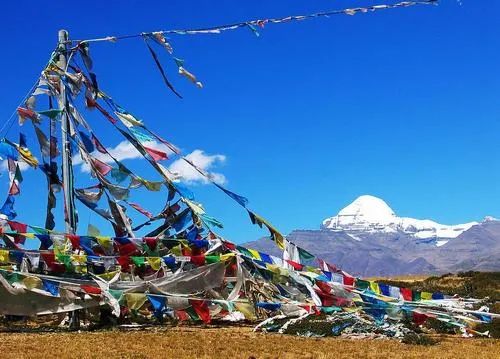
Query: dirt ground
pixel 233 342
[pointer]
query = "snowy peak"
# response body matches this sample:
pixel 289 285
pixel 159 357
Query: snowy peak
pixel 365 210
pixel 371 214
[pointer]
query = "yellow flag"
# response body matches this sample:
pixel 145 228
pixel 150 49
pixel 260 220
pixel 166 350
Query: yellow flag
pixel 227 256
pixel 273 268
pixel 374 287
pixel 105 242
pixel 79 258
pixel 135 300
pixel 108 276
pixel 27 156
pixel 4 256
pixel 176 250
pixel 255 254
pixel 154 262
pixel 32 282
pixel 79 261
pixel 425 296
pixel 246 309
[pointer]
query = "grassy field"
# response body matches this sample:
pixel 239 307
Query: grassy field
pixel 240 342
pixel 233 342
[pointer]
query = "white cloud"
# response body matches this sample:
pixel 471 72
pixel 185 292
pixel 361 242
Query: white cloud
pixel 123 151
pixel 4 166
pixel 201 160
pixel 181 169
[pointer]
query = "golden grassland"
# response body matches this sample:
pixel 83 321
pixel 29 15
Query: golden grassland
pixel 227 342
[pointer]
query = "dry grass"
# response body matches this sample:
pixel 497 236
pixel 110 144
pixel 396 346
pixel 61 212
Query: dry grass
pixel 235 342
pixel 402 278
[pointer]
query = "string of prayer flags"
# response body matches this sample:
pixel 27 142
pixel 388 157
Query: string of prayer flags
pixel 276 236
pixel 243 201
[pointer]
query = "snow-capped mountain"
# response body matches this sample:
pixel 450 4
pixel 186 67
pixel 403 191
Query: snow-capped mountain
pixel 367 238
pixel 372 214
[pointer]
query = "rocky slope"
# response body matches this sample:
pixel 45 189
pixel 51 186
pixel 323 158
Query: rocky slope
pixel 368 239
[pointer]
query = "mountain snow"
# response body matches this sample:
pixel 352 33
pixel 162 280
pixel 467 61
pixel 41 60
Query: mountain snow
pixel 371 214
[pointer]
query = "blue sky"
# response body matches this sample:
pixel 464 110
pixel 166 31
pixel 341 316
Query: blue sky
pixel 401 104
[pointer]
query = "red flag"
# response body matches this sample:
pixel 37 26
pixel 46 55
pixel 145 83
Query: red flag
pixel 151 242
pixel 419 318
pixel 406 293
pixel 90 289
pixel 198 260
pixel 75 240
pixel 140 209
pixel 229 245
pixel 325 287
pixel 181 315
pixel 101 167
pixel 295 265
pixel 27 113
pixel 348 280
pixel 327 266
pixel 156 154
pixel 19 228
pixel 14 188
pixel 124 262
pixel 49 258
pixel 127 249
pixel 98 145
pixel 201 308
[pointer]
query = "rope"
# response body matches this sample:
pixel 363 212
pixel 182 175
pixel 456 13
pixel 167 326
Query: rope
pixel 262 22
pixel 4 130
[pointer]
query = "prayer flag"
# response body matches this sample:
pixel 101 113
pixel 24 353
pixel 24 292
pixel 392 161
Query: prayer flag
pixel 158 303
pixel 135 300
pixel 51 287
pixel 406 293
pixel 201 308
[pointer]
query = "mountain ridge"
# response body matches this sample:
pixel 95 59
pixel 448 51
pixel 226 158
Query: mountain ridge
pixel 382 249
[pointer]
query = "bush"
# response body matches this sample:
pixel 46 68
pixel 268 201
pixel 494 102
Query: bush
pixel 439 326
pixel 493 328
pixel 418 339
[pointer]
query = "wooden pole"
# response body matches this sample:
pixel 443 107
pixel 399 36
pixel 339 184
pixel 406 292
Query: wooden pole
pixel 67 166
pixel 67 175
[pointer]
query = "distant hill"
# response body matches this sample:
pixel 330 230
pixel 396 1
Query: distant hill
pixel 366 238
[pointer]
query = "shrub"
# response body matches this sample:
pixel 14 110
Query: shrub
pixel 418 339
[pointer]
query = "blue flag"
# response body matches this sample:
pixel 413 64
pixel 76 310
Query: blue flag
pixel 8 208
pixel 158 304
pixel 51 287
